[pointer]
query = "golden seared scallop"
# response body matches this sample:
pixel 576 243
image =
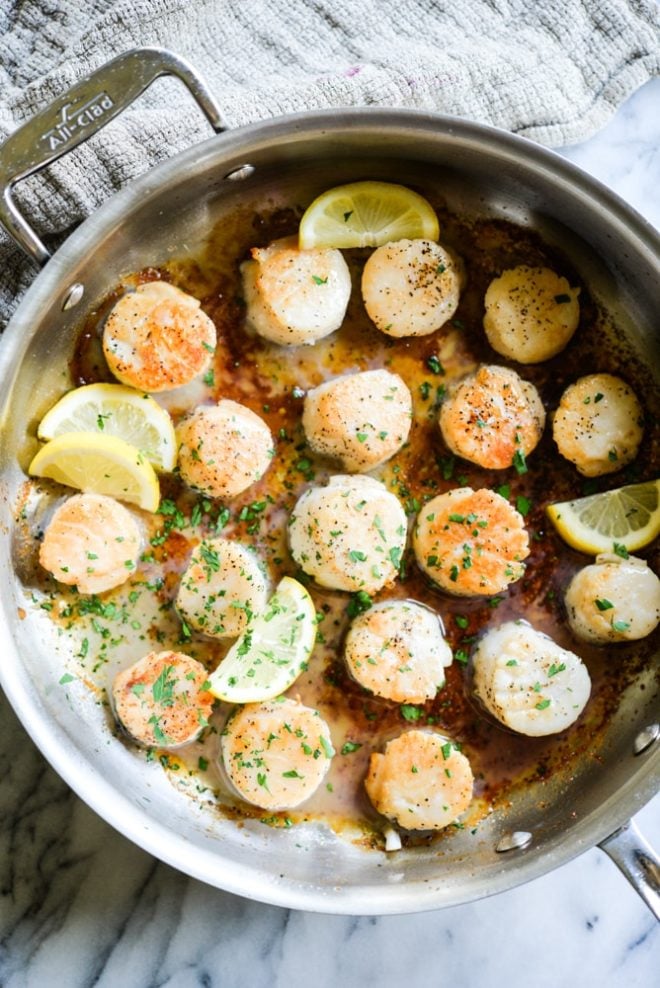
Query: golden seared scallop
pixel 531 314
pixel 599 424
pixel 491 417
pixel 470 542
pixel 423 781
pixel 349 535
pixel 92 542
pixel 360 419
pixel 397 650
pixel 527 681
pixel 223 448
pixel 162 700
pixel 410 287
pixel 157 338
pixel 223 586
pixel 276 753
pixel 613 600
pixel 295 296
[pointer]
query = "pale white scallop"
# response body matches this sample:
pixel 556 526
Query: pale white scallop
pixel 223 448
pixel 92 542
pixel 492 416
pixel 360 419
pixel 223 585
pixel 599 424
pixel 527 681
pixel 531 313
pixel 422 781
pixel 295 296
pixel 349 535
pixel 470 543
pixel 397 650
pixel 613 600
pixel 276 753
pixel 410 287
pixel 157 337
pixel 162 700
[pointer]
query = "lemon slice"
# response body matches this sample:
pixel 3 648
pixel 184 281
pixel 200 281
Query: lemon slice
pixel 367 214
pixel 99 464
pixel 273 651
pixel 628 516
pixel 115 410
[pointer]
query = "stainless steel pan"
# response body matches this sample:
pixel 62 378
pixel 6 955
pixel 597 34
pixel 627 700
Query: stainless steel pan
pixel 479 170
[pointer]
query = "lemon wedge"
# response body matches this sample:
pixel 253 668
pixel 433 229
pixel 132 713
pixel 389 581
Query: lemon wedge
pixel 367 214
pixel 628 516
pixel 115 410
pixel 273 651
pixel 99 464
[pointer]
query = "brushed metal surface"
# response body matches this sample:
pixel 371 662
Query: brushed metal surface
pixel 478 171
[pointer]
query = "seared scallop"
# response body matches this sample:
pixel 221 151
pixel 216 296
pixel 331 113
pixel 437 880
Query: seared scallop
pixel 470 542
pixel 91 542
pixel 528 682
pixel 360 419
pixel 223 448
pixel 614 600
pixel 223 586
pixel 491 417
pixel 599 424
pixel 276 753
pixel 531 314
pixel 349 535
pixel 162 700
pixel 397 650
pixel 410 287
pixel 295 296
pixel 423 781
pixel 157 338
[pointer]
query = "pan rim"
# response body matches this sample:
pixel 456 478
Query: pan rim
pixel 96 791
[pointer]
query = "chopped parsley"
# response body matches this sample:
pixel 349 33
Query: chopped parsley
pixel 519 462
pixel 523 504
pixel 434 365
pixel 359 602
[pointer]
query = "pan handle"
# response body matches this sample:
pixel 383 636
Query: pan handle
pixel 638 862
pixel 76 115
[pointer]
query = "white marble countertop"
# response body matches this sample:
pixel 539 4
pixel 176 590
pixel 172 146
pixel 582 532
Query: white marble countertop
pixel 80 905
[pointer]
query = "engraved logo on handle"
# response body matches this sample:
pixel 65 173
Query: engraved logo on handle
pixel 75 117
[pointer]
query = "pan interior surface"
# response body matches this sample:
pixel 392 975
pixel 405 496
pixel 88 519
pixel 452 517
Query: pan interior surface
pixel 168 215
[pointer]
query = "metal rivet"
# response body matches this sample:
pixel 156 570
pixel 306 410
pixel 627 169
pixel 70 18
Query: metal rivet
pixel 646 738
pixel 238 174
pixel 73 296
pixel 514 841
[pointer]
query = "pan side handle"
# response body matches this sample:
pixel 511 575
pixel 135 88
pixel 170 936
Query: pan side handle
pixel 80 112
pixel 638 862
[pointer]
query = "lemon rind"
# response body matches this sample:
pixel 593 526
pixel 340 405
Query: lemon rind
pixel 425 223
pixel 242 693
pixel 163 458
pixel 588 540
pixel 118 452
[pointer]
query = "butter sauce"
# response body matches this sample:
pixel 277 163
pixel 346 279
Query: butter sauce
pixel 272 381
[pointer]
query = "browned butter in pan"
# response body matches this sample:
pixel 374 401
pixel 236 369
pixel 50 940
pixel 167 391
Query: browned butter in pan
pixel 272 381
